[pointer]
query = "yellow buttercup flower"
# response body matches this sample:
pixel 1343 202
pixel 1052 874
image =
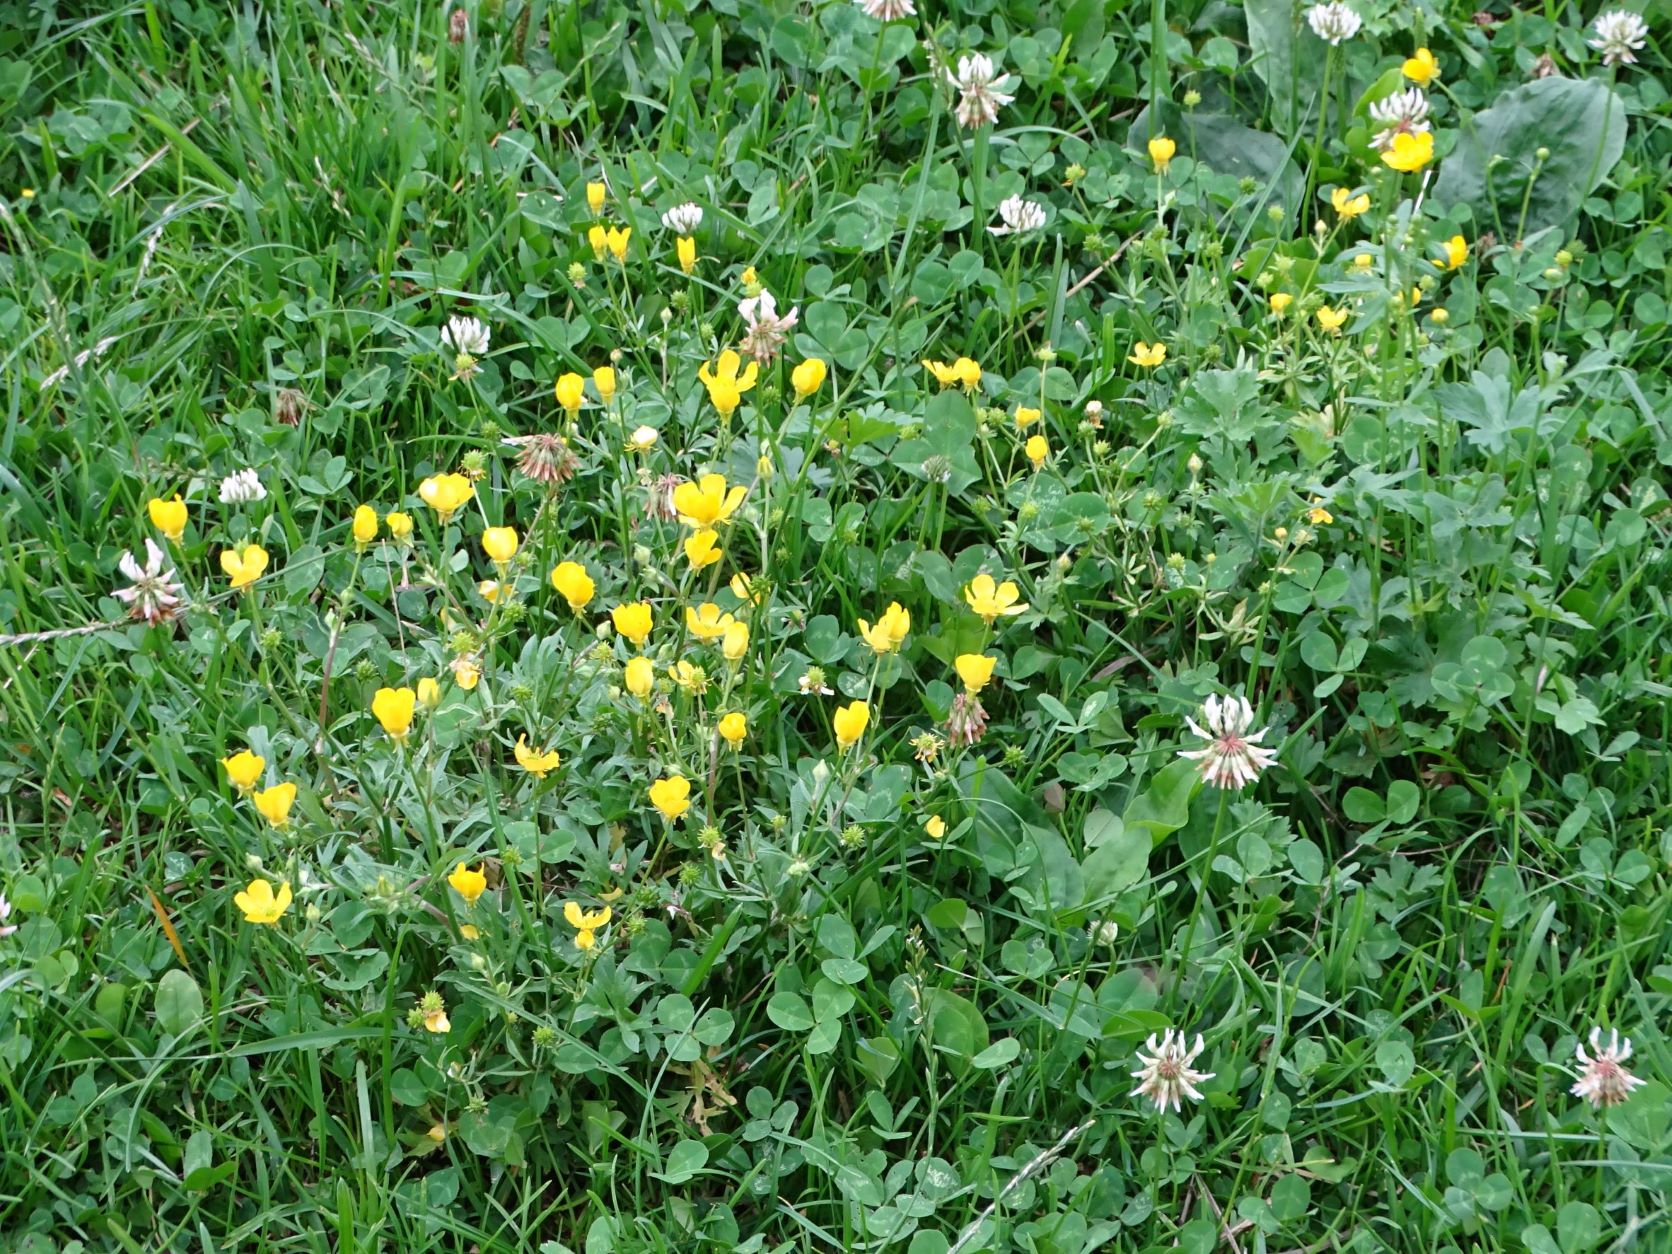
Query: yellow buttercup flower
pixel 685 249
pixel 490 590
pixel 533 761
pixel 1161 152
pixel 992 600
pixel 1038 449
pixel 260 904
pixel 850 722
pixel 725 385
pixel 643 439
pixel 964 373
pixel 706 621
pixel 570 390
pixel 689 677
pixel 573 584
pixel 365 526
pixel 889 632
pixel 500 544
pixel 429 693
pixel 1362 263
pixel 467 672
pixel 1409 153
pixel 1026 417
pixel 244 566
pixel 467 931
pixel 1421 67
pixel 1332 320
pixel 1457 252
pixel 744 589
pixel 735 643
pixel 672 796
pixel 595 193
pixel 467 883
pixel 808 377
pixel 1318 516
pixel 633 620
pixel 446 493
pixel 274 803
pixel 1439 316
pixel 599 239
pixel 1148 356
pixel 640 676
pixel 399 524
pixel 733 728
pixel 1280 301
pixel 975 669
pixel 1347 205
pixel 168 517
pixel 585 922
pixel 244 769
pixel 603 378
pixel 749 278
pixel 934 827
pixel 702 548
pixel 617 240
pixel 707 501
pixel 394 708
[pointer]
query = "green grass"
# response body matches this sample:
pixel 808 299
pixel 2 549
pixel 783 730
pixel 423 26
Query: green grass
pixel 843 1033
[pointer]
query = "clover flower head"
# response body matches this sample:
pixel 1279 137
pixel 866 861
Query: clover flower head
pixel 1018 216
pixel 1619 34
pixel 465 335
pixel 1164 1074
pixel 1402 113
pixel 242 487
pixel 544 458
pixel 683 219
pixel 765 328
pixel 1603 1078
pixel 981 90
pixel 154 595
pixel 887 10
pixel 1232 756
pixel 1334 23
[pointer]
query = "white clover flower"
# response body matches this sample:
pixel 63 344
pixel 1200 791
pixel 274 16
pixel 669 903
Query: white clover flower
pixel 1232 757
pixel 1103 931
pixel 766 327
pixel 1403 113
pixel 1619 34
pixel 6 929
pixel 1603 1078
pixel 887 10
pixel 981 91
pixel 241 488
pixel 683 219
pixel 1018 216
pixel 154 596
pixel 1334 23
pixel 468 336
pixel 1165 1075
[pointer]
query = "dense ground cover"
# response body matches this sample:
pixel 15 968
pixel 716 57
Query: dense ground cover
pixel 628 627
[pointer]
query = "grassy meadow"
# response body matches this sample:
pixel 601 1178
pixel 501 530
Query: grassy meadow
pixel 835 626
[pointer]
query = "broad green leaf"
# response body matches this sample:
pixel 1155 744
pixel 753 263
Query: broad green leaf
pixel 683 1161
pixel 179 1002
pixel 1577 122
